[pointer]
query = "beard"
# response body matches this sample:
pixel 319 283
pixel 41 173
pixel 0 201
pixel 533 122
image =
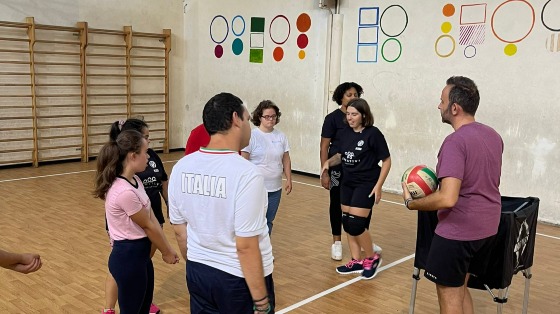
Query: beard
pixel 446 114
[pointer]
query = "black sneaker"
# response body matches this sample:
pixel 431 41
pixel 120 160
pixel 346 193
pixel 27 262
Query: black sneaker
pixel 353 266
pixel 370 266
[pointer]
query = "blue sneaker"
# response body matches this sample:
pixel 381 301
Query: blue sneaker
pixel 370 266
pixel 353 266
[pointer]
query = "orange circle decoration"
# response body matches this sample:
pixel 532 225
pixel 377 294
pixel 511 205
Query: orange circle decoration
pixel 448 10
pixel 303 22
pixel 520 39
pixel 301 54
pixel 278 54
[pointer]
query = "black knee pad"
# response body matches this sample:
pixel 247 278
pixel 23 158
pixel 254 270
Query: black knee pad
pixel 355 225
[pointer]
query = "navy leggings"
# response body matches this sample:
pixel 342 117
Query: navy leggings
pixel 131 266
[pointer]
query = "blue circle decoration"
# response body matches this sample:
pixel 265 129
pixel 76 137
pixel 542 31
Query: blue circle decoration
pixel 237 46
pixel 227 29
pixel 233 21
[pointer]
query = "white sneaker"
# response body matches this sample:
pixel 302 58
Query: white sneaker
pixel 336 251
pixel 376 249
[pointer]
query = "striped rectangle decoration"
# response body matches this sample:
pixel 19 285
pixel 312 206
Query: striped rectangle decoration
pixel 472 34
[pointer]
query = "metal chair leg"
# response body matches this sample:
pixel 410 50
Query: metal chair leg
pixel 415 278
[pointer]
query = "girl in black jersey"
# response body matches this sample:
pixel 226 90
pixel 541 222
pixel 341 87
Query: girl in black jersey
pixel 155 180
pixel 360 150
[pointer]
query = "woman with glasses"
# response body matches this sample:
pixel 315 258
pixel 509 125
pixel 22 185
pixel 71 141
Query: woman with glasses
pixel 269 150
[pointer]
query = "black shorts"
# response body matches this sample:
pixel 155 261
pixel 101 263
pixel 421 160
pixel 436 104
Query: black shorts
pixel 449 261
pixel 357 196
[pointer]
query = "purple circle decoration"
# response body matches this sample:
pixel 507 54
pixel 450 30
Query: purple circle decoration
pixel 219 51
pixel 470 51
pixel 279 42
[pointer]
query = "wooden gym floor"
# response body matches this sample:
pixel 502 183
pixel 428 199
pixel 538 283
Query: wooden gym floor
pixel 50 210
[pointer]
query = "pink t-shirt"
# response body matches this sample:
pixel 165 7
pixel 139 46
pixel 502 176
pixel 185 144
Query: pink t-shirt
pixel 122 201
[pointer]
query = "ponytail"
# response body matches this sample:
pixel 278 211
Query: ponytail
pixel 122 125
pixel 111 157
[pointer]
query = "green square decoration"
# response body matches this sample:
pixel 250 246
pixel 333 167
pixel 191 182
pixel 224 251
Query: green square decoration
pixel 257 25
pixel 256 55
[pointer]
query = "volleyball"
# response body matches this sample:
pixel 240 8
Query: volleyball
pixel 420 180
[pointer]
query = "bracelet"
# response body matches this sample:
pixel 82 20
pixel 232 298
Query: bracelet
pixel 407 201
pixel 259 300
pixel 262 310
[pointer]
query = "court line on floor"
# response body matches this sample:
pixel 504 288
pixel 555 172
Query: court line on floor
pixel 340 286
pixel 58 174
pixel 299 182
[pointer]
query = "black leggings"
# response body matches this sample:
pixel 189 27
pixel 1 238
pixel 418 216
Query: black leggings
pixel 131 266
pixel 335 211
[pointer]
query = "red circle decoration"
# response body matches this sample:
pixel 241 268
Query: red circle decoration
pixel 520 39
pixel 219 51
pixel 278 54
pixel 303 22
pixel 302 41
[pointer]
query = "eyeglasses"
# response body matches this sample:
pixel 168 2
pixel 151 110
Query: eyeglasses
pixel 272 117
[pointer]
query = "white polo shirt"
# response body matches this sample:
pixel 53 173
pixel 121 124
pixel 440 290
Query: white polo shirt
pixel 220 195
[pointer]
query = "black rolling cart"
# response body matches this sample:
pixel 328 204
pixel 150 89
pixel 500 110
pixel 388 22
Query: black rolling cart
pixel 512 252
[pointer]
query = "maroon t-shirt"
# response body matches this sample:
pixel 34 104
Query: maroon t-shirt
pixel 472 154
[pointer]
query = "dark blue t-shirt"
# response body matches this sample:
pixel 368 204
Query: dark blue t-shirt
pixel 151 179
pixel 360 153
pixel 332 127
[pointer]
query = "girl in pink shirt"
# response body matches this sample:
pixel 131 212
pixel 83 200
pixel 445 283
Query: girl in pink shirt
pixel 132 224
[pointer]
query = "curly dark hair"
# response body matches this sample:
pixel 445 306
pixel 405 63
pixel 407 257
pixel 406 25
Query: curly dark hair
pixel 342 88
pixel 464 93
pixel 257 113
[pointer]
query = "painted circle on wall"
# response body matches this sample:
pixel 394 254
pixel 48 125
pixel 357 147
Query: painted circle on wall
pixel 470 51
pixel 510 49
pixel 396 21
pixel 278 54
pixel 219 51
pixel 520 21
pixel 302 41
pixel 219 29
pixel 554 28
pixel 303 22
pixel 301 54
pixel 449 46
pixel 446 27
pixel 391 46
pixel 448 10
pixel 280 33
pixel 237 23
pixel 237 46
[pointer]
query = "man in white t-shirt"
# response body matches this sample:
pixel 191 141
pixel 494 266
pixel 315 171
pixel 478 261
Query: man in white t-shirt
pixel 217 200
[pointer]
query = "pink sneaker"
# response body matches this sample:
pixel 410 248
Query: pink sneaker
pixel 154 309
pixel 109 311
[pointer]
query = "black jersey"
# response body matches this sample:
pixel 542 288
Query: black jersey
pixel 332 128
pixel 360 153
pixel 151 179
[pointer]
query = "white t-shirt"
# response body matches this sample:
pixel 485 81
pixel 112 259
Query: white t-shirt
pixel 220 196
pixel 266 151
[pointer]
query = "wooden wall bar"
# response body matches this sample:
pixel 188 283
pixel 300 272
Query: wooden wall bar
pixel 62 87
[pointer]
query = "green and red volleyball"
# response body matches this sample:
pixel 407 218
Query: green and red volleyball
pixel 420 180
